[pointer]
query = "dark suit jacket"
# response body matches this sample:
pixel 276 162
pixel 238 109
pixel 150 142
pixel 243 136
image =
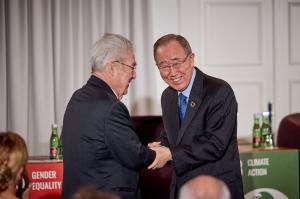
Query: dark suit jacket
pixel 99 143
pixel 207 141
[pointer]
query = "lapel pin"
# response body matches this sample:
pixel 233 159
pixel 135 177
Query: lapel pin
pixel 192 104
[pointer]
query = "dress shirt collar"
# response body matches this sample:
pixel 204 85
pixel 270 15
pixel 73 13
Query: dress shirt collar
pixel 187 91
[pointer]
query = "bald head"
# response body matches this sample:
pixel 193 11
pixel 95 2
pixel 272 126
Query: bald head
pixel 204 187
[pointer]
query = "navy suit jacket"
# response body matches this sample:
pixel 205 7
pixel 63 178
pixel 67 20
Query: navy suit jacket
pixel 206 143
pixel 99 144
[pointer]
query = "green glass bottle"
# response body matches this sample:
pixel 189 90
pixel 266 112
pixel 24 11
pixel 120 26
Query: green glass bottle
pixel 54 142
pixel 60 148
pixel 267 137
pixel 269 144
pixel 256 132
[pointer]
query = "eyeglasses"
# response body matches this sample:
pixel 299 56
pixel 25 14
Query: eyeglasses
pixel 176 64
pixel 132 67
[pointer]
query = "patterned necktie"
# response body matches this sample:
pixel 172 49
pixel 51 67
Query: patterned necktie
pixel 182 107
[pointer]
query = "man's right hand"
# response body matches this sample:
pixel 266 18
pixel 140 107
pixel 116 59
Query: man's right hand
pixel 163 155
pixel 154 144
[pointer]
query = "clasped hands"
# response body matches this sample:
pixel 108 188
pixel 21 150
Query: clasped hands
pixel 163 155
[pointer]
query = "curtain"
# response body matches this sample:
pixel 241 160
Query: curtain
pixel 44 58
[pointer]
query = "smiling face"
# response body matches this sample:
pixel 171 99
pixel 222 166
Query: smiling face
pixel 123 73
pixel 179 72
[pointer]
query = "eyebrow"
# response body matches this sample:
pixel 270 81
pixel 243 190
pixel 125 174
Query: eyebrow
pixel 173 59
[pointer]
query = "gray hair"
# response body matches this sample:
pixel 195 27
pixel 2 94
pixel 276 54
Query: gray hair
pixel 110 46
pixel 204 187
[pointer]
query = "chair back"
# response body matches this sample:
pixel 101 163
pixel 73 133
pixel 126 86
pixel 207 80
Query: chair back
pixel 153 183
pixel 289 131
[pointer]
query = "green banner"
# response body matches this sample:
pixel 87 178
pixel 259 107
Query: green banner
pixel 270 173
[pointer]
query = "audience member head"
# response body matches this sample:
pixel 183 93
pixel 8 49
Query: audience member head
pixel 113 61
pixel 90 192
pixel 204 187
pixel 13 158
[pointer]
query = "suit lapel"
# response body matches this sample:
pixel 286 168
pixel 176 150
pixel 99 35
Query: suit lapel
pixel 194 103
pixel 171 117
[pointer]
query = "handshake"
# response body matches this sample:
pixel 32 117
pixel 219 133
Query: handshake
pixel 163 155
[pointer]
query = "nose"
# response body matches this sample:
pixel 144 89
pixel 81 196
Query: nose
pixel 172 70
pixel 133 74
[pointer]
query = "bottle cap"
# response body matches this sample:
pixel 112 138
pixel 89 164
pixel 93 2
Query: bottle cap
pixel 266 113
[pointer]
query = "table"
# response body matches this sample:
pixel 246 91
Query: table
pixel 270 173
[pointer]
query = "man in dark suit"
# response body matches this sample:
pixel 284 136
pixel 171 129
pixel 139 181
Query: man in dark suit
pixel 99 143
pixel 200 119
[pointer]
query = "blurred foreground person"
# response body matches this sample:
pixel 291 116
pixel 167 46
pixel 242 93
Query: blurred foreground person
pixel 13 159
pixel 91 192
pixel 204 187
pixel 99 143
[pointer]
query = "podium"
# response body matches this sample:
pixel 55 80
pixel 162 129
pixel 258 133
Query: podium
pixel 46 177
pixel 270 173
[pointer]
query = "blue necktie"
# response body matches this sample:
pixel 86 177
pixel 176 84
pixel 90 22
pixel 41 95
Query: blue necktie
pixel 182 107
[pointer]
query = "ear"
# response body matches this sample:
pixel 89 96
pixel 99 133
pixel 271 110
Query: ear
pixel 114 69
pixel 110 67
pixel 17 179
pixel 20 173
pixel 192 59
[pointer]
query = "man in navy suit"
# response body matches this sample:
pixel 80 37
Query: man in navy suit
pixel 99 143
pixel 200 119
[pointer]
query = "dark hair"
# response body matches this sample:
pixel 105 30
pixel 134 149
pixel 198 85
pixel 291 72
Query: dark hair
pixel 164 40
